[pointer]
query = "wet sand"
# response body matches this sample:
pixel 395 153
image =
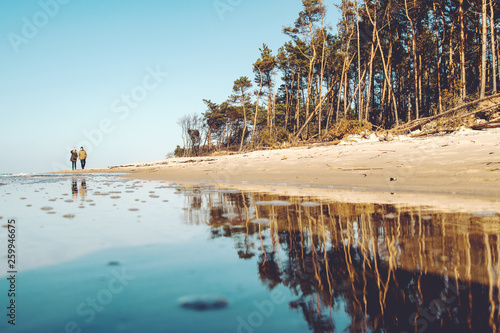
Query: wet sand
pixel 454 169
pixel 105 253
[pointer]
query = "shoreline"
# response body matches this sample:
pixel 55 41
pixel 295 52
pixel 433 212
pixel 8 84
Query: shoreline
pixel 462 165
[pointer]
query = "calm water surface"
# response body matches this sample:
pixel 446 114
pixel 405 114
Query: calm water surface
pixel 101 253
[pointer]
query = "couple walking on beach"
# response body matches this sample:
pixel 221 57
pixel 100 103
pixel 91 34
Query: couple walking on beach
pixel 82 155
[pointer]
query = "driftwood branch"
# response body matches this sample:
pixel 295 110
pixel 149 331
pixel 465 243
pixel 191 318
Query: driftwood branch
pixel 417 123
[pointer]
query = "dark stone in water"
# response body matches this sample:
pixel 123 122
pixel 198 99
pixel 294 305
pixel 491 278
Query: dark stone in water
pixel 203 302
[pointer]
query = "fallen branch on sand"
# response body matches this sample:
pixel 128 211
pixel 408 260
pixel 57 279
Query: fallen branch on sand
pixel 418 124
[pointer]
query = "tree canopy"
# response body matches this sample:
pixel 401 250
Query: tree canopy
pixel 390 62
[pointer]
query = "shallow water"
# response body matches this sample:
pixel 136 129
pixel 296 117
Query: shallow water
pixel 101 253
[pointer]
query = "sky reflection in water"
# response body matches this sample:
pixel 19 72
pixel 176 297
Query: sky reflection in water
pixel 106 254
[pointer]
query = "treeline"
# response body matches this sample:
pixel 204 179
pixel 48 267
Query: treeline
pixel 390 62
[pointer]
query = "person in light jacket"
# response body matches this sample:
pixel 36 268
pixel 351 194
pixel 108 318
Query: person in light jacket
pixel 82 155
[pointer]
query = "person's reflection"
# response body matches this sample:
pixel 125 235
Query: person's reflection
pixel 74 188
pixel 83 189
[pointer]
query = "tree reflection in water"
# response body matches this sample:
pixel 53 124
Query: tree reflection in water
pixel 392 268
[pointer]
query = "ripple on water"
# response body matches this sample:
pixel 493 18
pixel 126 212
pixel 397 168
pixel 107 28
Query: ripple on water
pixel 273 203
pixel 262 221
pixel 485 213
pixel 203 302
pixel 230 215
pixel 46 208
pixel 133 209
pixel 310 204
pixel 69 216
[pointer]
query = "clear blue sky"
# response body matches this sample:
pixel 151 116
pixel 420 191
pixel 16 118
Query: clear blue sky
pixel 114 76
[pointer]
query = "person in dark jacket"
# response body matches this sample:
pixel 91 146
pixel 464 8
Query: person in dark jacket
pixel 73 158
pixel 82 155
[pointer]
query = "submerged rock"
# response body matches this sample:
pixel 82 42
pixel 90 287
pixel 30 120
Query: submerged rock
pixel 203 302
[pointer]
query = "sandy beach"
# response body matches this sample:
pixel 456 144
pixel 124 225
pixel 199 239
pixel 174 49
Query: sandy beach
pixel 465 164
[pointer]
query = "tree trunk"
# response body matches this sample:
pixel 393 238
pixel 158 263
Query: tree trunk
pixel 386 74
pixel 297 106
pixel 256 108
pixel 270 104
pixel 312 60
pixel 484 48
pixel 451 64
pixel 287 104
pixel 360 96
pixel 322 73
pixel 370 79
pixel 312 114
pixel 493 42
pixel 420 100
pixel 243 98
pixel 415 60
pixel 343 79
pixel 463 90
pixel 439 58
